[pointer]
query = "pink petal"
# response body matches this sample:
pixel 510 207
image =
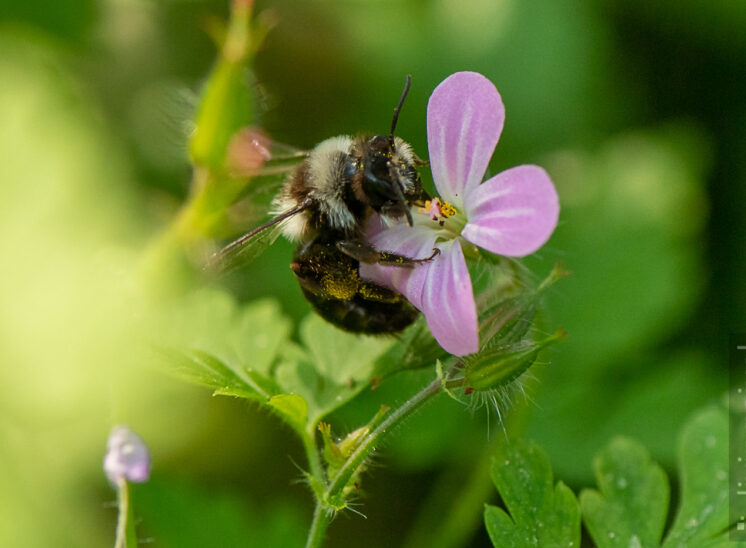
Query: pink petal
pixel 513 213
pixel 448 302
pixel 416 242
pixel 465 117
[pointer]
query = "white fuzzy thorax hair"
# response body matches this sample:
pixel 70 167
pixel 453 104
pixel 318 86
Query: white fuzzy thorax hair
pixel 325 171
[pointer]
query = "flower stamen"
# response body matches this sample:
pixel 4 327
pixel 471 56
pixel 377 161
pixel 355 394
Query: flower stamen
pixel 438 210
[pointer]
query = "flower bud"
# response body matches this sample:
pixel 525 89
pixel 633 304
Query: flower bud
pixel 508 321
pixel 496 366
pixel 127 457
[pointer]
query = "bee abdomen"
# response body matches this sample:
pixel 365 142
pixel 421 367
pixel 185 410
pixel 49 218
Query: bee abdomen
pixel 359 315
pixel 331 282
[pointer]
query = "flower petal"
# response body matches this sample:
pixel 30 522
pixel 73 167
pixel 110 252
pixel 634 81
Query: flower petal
pixel 513 213
pixel 416 242
pixel 465 117
pixel 448 302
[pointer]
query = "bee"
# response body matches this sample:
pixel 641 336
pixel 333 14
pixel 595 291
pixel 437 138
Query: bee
pixel 324 205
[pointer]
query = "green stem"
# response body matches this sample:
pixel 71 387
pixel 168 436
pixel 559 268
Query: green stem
pixel 368 444
pixel 312 455
pixel 324 511
pixel 322 517
pixel 123 499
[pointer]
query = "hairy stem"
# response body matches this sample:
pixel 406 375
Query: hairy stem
pixel 327 504
pixel 312 456
pixel 322 517
pixel 367 445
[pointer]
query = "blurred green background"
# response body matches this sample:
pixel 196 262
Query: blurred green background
pixel 636 108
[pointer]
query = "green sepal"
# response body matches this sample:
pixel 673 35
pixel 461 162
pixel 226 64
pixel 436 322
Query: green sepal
pixel 499 365
pixel 336 453
pixel 509 320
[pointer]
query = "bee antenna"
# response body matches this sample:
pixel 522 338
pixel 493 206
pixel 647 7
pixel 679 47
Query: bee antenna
pixel 407 84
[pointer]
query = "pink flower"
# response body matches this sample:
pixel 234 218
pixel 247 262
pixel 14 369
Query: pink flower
pixel 127 457
pixel 513 213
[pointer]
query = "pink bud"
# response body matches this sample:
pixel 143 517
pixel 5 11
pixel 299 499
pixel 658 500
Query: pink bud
pixel 127 457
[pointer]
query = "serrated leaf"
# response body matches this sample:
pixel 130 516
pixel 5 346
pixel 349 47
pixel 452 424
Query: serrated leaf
pixel 540 513
pixel 339 356
pixel 703 465
pixel 206 370
pixel 292 408
pixel 630 509
pixel 245 339
pixel 332 368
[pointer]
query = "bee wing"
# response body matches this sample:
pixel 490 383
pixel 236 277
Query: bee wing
pixel 266 163
pixel 246 248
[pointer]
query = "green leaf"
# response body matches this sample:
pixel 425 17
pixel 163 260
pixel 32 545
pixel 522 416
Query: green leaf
pixel 206 370
pixel 702 519
pixel 630 509
pixel 341 357
pixel 331 369
pixel 292 408
pixel 245 339
pixel 540 513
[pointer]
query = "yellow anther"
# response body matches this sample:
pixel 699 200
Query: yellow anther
pixel 447 210
pixel 437 209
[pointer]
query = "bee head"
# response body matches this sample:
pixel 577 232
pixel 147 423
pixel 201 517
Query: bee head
pixel 390 179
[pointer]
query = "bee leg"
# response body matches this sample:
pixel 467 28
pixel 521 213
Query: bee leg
pixel 366 253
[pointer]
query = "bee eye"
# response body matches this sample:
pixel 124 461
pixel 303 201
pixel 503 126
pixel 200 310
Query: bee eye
pixel 377 183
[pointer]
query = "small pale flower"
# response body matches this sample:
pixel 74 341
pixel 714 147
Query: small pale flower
pixel 127 457
pixel 512 214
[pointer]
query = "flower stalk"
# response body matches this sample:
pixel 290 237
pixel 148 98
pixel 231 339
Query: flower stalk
pixel 126 534
pixel 333 497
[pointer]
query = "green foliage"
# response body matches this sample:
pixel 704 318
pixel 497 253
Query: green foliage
pixel 87 183
pixel 245 352
pixel 702 519
pixel 541 513
pixel 179 515
pixel 630 506
pixel 633 213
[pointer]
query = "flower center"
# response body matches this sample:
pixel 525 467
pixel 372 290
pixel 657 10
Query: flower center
pixel 444 214
pixel 438 210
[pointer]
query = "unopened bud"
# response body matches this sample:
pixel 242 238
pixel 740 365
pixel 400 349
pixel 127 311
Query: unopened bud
pixel 248 151
pixel 494 367
pixel 127 457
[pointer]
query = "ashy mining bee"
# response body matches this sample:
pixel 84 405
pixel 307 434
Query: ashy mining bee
pixel 324 204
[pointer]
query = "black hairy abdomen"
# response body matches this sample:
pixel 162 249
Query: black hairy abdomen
pixel 331 282
pixel 359 315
